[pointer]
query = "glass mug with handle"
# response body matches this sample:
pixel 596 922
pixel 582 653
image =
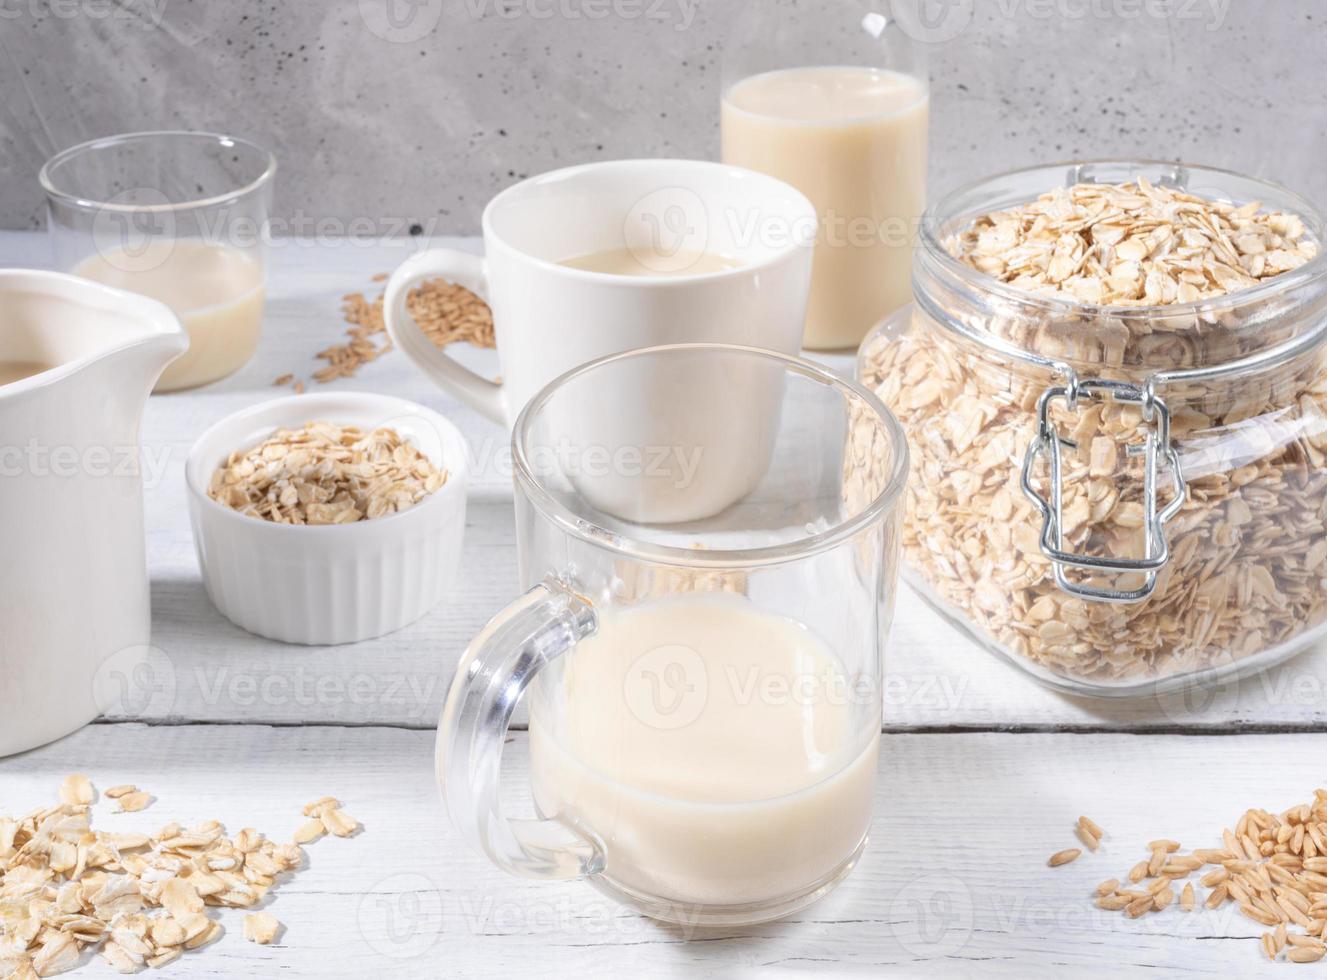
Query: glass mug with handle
pixel 704 697
pixel 606 257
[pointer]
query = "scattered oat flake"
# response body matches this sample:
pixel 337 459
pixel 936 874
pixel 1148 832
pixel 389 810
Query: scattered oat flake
pixel 115 792
pixel 310 831
pixel 135 801
pixel 76 788
pixel 1063 857
pixel 168 955
pixel 316 808
pixel 338 822
pixel 260 927
pixel 446 313
pixel 211 934
pixel 137 900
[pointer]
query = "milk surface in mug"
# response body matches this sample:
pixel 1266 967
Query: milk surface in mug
pixel 853 140
pixel 645 262
pixel 11 371
pixel 718 751
pixel 216 290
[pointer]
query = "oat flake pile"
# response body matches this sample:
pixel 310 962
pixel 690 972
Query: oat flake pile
pixel 326 474
pixel 140 900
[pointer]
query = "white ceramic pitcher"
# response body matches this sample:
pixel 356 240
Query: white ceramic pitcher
pixel 73 573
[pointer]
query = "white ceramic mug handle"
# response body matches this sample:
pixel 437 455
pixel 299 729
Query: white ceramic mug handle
pixel 466 270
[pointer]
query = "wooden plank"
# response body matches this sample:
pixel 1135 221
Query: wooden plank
pixel 954 882
pixel 216 672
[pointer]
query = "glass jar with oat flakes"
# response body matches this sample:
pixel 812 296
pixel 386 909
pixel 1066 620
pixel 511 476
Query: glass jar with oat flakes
pixel 1114 383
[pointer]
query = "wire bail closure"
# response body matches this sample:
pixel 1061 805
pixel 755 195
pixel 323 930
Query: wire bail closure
pixel 1156 443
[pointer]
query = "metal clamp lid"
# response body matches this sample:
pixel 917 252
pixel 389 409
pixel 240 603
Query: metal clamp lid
pixel 1155 448
pixel 1156 444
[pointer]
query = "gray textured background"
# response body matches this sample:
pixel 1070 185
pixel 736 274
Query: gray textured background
pixel 420 116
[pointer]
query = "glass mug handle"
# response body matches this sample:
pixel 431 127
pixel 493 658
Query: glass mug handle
pixel 494 672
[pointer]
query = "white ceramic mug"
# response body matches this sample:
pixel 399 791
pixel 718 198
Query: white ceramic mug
pixel 550 318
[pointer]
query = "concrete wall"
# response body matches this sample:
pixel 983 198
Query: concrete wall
pixel 417 111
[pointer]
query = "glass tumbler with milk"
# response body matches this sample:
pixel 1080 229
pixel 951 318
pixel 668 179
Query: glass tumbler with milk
pixel 177 216
pixel 709 539
pixel 832 97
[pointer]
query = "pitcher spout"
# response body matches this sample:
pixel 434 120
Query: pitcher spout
pixel 69 326
pixel 163 341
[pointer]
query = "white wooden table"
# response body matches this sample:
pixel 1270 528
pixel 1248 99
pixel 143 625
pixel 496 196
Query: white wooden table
pixel 983 772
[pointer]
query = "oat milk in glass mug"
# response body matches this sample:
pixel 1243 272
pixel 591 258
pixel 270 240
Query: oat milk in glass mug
pixel 703 694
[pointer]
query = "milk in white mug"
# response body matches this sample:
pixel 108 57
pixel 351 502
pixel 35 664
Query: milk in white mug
pixel 715 254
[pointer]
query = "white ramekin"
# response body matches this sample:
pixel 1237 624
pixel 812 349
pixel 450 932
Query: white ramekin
pixel 337 583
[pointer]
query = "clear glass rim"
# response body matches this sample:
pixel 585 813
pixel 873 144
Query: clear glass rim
pixel 947 208
pixel 56 193
pixel 923 99
pixel 635 548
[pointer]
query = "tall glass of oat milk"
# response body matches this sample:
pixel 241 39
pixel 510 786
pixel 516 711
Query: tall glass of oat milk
pixel 832 97
pixel 703 696
pixel 181 217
